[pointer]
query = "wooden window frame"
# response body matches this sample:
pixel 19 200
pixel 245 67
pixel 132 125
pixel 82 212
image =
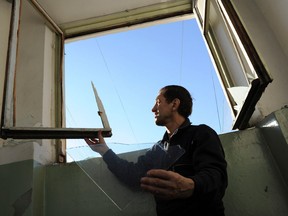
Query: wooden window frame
pixel 8 128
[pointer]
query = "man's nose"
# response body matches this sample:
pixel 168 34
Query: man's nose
pixel 154 108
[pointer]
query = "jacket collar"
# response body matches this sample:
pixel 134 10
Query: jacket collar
pixel 185 124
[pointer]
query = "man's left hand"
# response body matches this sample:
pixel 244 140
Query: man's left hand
pixel 167 184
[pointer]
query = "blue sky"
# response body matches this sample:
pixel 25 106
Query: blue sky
pixel 129 68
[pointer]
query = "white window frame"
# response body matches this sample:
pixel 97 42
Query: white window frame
pixel 248 61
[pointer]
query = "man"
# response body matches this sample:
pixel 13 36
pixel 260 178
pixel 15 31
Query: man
pixel 195 184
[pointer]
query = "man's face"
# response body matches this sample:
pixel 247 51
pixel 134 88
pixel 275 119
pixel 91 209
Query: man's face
pixel 162 110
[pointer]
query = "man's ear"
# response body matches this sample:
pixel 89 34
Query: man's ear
pixel 176 104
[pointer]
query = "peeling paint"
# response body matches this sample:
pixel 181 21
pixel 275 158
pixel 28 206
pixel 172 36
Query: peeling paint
pixel 14 142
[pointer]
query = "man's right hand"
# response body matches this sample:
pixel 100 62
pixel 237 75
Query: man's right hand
pixel 98 144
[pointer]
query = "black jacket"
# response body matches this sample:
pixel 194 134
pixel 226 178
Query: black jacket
pixel 203 161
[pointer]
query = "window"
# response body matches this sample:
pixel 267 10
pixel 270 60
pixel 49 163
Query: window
pixel 240 69
pixel 34 71
pixel 128 69
pixel 39 29
pixel 35 62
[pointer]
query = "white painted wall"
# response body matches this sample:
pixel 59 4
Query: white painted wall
pixel 275 13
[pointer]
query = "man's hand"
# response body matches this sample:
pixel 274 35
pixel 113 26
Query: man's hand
pixel 167 184
pixel 98 144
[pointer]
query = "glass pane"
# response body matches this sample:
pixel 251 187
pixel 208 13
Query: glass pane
pixel 96 169
pixel 227 47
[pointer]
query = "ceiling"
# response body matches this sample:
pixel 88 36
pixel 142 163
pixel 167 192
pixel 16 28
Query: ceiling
pixel 82 17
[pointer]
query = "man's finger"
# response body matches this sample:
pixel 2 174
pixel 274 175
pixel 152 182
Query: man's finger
pixel 100 137
pixel 160 173
pixel 89 141
pixel 156 182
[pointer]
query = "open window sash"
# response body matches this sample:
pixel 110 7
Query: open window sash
pixel 240 69
pixel 10 126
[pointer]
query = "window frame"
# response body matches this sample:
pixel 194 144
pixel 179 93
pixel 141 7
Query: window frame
pixel 8 128
pixel 88 28
pixel 138 16
pixel 236 29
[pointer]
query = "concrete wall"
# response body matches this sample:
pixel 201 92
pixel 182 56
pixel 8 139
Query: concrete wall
pixel 256 186
pixel 22 189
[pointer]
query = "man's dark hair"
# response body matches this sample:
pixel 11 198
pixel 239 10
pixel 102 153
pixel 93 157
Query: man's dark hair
pixel 172 92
